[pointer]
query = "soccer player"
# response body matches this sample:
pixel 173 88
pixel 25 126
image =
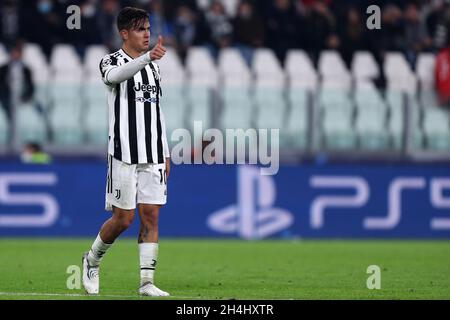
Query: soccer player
pixel 138 153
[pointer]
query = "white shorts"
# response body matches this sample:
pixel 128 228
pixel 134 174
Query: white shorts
pixel 130 184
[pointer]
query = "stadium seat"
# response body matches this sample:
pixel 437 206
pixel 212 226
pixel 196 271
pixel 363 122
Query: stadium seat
pixel 201 67
pixel 95 119
pixel 338 133
pixel 237 108
pixel 4 127
pixel 426 70
pixel 370 126
pixel 369 98
pixel 364 66
pixel 199 99
pixel 428 98
pixel 296 128
pixel 333 70
pixel 94 53
pixel 65 114
pixel 173 105
pixel 396 120
pixel 335 99
pixel 300 70
pixel 271 107
pixel 172 71
pixel 398 73
pixel 30 125
pixel 267 68
pixel 436 128
pixel 232 68
pixel 65 62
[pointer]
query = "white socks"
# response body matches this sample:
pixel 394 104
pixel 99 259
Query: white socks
pixel 97 251
pixel 148 254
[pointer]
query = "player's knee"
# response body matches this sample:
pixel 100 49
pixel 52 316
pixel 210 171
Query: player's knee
pixel 124 220
pixel 150 215
pixel 124 223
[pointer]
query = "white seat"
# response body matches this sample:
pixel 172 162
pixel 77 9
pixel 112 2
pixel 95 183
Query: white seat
pixel 94 53
pixel 398 73
pixel 232 68
pixel 172 71
pixel 331 99
pixel 333 70
pixel 271 108
pixel 364 66
pixel 267 68
pixel 199 99
pixel 65 63
pixel 173 105
pixel 201 67
pixel 237 108
pixel 4 127
pixel 369 98
pixel 300 70
pixel 30 124
pixel 426 63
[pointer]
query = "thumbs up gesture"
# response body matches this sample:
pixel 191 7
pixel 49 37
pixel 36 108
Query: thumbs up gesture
pixel 158 51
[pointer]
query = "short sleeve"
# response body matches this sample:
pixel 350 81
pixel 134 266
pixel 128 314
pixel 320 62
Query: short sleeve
pixel 107 63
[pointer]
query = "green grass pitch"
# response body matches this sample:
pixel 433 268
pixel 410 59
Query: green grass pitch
pixel 231 269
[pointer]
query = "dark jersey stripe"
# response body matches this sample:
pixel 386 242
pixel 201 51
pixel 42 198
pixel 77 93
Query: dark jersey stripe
pixel 132 130
pixel 158 116
pixel 147 118
pixel 117 145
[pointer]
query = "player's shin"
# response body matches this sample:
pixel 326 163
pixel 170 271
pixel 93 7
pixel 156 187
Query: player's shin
pixel 148 255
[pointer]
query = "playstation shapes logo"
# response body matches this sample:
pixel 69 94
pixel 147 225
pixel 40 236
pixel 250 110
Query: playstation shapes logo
pixel 254 216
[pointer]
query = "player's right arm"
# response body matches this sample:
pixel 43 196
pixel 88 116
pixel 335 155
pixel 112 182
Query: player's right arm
pixel 113 74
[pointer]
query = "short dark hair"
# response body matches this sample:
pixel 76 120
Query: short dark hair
pixel 131 18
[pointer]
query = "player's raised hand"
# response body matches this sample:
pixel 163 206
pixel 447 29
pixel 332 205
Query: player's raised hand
pixel 158 51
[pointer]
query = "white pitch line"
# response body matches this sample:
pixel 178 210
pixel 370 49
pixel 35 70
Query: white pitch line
pixel 81 295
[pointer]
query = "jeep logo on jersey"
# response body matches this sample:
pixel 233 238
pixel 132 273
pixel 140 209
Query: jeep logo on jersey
pixel 145 88
pixel 254 216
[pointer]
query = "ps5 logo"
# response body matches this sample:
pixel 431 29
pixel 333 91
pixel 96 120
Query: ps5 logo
pixel 254 216
pixel 50 208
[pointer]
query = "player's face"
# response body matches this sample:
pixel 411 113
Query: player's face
pixel 139 38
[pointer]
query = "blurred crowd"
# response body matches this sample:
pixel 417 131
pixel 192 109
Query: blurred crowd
pixel 313 25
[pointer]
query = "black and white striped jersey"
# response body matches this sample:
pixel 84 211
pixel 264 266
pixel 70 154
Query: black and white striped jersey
pixel 137 131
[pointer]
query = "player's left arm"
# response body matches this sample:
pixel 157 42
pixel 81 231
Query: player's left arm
pixel 167 167
pixel 164 134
